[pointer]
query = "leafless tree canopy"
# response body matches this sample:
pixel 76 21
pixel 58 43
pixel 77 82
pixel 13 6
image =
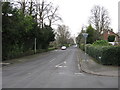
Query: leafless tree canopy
pixel 43 11
pixel 100 18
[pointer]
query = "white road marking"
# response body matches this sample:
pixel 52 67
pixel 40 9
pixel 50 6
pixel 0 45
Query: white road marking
pixel 56 66
pixel 52 60
pixel 64 66
pixel 60 66
pixel 64 62
pixel 78 74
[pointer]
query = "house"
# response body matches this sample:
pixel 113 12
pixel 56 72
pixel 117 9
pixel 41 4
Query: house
pixel 108 33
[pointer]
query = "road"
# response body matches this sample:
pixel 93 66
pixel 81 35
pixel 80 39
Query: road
pixel 54 69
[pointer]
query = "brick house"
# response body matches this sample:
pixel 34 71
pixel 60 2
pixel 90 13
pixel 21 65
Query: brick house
pixel 107 33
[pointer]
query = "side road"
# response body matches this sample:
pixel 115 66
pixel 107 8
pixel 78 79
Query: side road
pixel 88 65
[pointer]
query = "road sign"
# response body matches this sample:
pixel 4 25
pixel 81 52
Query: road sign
pixel 85 35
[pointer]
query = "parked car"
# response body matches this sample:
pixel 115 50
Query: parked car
pixel 75 45
pixel 63 47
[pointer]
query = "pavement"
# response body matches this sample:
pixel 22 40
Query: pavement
pixel 54 69
pixel 88 65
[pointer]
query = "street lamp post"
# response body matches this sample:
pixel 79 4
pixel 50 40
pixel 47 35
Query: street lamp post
pixel 35 45
pixel 85 36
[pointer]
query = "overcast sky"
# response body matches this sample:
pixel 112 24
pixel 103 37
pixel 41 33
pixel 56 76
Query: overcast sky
pixel 75 13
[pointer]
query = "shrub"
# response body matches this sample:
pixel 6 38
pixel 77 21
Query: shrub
pixel 101 43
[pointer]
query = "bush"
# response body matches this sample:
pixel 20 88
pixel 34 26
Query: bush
pixel 101 43
pixel 107 55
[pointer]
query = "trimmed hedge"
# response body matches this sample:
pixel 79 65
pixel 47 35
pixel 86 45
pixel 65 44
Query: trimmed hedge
pixel 27 53
pixel 107 55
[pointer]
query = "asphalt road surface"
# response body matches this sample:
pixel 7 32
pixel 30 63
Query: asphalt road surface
pixel 55 69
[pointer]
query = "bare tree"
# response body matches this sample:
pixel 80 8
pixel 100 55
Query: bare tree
pixel 23 5
pixel 53 16
pixel 43 12
pixel 31 7
pixel 63 35
pixel 47 12
pixel 105 20
pixel 100 18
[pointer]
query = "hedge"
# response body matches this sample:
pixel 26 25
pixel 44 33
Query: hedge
pixel 106 55
pixel 101 43
pixel 14 55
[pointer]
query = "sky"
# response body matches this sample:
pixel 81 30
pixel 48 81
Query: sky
pixel 76 13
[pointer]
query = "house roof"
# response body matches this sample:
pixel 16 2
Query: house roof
pixel 106 31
